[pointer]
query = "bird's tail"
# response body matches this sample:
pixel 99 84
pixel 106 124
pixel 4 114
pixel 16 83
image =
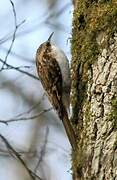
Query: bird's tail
pixel 68 128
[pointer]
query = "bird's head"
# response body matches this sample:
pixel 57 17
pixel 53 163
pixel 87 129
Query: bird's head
pixel 46 45
pixel 49 38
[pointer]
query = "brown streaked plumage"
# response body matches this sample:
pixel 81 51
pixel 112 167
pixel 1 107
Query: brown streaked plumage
pixel 51 78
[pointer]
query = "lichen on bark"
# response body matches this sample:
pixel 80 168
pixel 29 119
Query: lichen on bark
pixel 94 88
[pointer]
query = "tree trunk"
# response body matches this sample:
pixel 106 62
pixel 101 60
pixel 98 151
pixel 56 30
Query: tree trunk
pixel 94 89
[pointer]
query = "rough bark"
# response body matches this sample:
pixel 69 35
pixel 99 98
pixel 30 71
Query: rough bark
pixel 94 89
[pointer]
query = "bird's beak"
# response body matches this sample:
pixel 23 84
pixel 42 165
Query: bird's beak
pixel 49 39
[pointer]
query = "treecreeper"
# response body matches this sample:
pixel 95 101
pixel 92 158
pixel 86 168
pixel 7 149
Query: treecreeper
pixel 54 73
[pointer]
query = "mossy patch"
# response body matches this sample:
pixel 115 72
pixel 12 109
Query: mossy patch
pixel 90 19
pixel 113 113
pixel 113 118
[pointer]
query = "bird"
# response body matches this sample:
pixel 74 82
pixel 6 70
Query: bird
pixel 54 73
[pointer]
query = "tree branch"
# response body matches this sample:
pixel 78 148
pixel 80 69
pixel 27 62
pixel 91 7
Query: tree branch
pixel 19 70
pixel 16 155
pixel 14 34
pixel 6 122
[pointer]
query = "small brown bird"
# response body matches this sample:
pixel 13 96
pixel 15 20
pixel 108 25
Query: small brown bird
pixel 54 73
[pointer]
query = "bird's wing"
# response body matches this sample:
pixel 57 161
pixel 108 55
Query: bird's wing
pixel 51 79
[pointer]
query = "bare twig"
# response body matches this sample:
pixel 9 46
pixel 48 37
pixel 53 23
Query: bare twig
pixel 16 155
pixel 6 122
pixel 19 70
pixel 32 108
pixel 43 150
pixel 5 152
pixel 46 17
pixel 22 57
pixel 18 67
pixel 14 34
pixel 58 13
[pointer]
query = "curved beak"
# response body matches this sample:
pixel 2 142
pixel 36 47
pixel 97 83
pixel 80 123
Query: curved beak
pixel 49 39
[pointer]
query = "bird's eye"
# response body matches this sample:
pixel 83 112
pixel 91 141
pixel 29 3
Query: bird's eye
pixel 48 44
pixel 41 45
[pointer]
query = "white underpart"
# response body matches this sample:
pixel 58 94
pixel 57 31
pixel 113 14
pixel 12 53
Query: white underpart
pixel 65 70
pixel 63 63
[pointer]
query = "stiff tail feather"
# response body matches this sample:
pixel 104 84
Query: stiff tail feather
pixel 69 129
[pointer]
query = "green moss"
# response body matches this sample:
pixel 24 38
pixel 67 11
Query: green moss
pixel 78 161
pixel 113 114
pixel 115 144
pixel 91 18
pixel 114 108
pixel 113 117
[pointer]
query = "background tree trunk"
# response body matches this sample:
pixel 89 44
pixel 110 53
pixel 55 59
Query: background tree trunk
pixel 94 89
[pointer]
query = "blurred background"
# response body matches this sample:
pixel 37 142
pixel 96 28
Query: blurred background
pixel 32 128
